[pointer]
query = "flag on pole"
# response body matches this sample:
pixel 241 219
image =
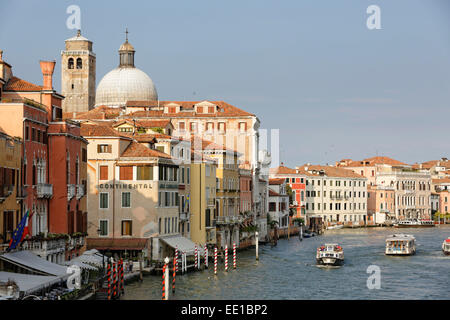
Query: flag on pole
pixel 19 232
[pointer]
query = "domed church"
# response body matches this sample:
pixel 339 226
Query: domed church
pixel 125 83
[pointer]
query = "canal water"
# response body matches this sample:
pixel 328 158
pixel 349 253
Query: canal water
pixel 288 271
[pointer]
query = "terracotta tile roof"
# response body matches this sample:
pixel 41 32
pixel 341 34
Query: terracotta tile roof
pixel 432 163
pixel 282 170
pixel 329 171
pixel 440 181
pixel 145 123
pixel 209 145
pixel 94 130
pixel 224 110
pixel 17 84
pixel 370 162
pixel 137 150
pixel 276 181
pixel 273 193
pixel 99 113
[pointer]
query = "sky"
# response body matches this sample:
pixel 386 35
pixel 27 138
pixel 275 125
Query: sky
pixel 311 69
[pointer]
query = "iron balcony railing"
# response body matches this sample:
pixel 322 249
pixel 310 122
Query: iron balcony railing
pixel 80 191
pixel 71 191
pixel 44 190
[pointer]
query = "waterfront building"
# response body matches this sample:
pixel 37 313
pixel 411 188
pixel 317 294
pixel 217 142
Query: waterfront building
pixel 444 201
pixel 53 169
pixel 435 202
pixel 78 70
pixel 437 168
pixel 226 190
pixel 336 195
pixel 297 181
pixel 202 198
pixel 441 184
pixel 380 204
pixel 133 198
pixel 279 204
pixel 412 186
pixel 11 191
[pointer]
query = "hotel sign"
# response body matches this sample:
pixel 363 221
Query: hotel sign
pixel 125 186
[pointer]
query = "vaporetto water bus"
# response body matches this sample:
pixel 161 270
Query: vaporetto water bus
pixel 400 244
pixel 414 223
pixel 330 254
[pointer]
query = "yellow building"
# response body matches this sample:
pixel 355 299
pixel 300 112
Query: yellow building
pixel 228 196
pixel 202 199
pixel 11 191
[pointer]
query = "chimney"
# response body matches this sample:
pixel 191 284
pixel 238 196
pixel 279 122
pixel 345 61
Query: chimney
pixel 1 55
pixel 47 68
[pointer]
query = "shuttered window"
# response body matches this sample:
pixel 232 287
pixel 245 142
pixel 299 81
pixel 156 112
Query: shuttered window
pixel 126 173
pixel 144 173
pixel 103 172
pixel 126 228
pixel 104 148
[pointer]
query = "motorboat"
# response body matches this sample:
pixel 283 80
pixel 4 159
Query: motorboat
pixel 330 254
pixel 400 244
pixel 446 246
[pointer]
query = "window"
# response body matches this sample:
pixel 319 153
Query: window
pixel 210 126
pixel 242 126
pixel 144 173
pixel 103 227
pixel 104 148
pixel 33 134
pixel 84 155
pixel 199 109
pixel 126 227
pixel 126 173
pixel 103 172
pixel 193 127
pixel 210 109
pixel 70 63
pixel 27 133
pixel 188 177
pixel 104 200
pixel 126 200
pixel 79 63
pixel 222 127
pixel 181 126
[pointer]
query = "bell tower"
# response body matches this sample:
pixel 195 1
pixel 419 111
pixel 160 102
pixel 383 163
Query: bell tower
pixel 78 75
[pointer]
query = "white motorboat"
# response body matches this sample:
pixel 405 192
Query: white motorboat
pixel 446 246
pixel 330 254
pixel 400 244
pixel 414 223
pixel 335 226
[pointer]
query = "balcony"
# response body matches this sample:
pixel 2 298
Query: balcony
pixel 45 247
pixel 71 191
pixel 220 220
pixel 80 191
pixel 44 190
pixel 184 216
pixel 5 192
pixel 21 193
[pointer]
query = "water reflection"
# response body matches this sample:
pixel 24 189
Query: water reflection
pixel 289 271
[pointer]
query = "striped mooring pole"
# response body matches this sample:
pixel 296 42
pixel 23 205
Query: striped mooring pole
pixel 226 257
pixel 114 279
pixel 196 257
pixel 215 260
pixel 164 282
pixel 176 259
pixel 109 280
pixel 234 255
pixel 174 274
pixel 122 281
pixel 206 257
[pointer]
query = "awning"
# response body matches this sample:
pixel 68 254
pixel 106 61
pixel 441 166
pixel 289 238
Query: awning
pixel 28 260
pixel 29 283
pixel 183 244
pixel 117 244
pixel 80 264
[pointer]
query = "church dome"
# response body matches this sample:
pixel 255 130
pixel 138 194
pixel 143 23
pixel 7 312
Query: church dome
pixel 125 83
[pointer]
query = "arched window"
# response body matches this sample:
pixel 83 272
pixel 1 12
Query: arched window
pixel 70 63
pixel 79 63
